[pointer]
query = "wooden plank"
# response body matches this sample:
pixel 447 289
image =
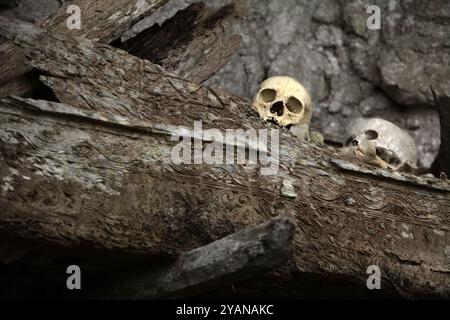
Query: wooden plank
pixel 97 171
pixel 237 257
pixel 193 44
pixel 101 20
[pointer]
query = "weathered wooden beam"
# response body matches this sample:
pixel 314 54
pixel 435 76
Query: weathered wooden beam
pixel 124 80
pixel 97 171
pixel 442 161
pixel 13 71
pixel 237 257
pixel 101 20
pixel 193 44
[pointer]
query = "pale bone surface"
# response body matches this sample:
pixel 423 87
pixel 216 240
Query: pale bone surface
pixel 387 142
pixel 284 101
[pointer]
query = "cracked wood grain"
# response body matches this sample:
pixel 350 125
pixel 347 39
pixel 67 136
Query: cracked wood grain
pixel 102 20
pixel 193 44
pixel 237 257
pixel 96 171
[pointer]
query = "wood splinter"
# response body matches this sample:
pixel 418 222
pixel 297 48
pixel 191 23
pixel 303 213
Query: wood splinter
pixel 237 257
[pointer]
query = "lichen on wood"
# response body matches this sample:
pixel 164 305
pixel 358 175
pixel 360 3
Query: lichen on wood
pixel 97 175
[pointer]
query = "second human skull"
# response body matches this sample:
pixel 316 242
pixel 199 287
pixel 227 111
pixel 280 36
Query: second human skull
pixel 392 146
pixel 283 100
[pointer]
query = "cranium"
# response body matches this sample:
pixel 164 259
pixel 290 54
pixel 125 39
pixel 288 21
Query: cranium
pixel 283 100
pixel 381 143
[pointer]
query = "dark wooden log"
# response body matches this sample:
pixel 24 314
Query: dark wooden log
pixel 442 161
pixel 237 257
pixel 101 20
pixel 193 44
pixel 13 71
pixel 96 171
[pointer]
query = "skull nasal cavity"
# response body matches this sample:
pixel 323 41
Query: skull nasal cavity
pixel 278 108
pixel 371 135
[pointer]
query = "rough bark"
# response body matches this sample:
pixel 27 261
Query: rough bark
pixel 442 162
pixel 193 44
pixel 102 21
pixel 96 171
pixel 237 257
pixel 13 78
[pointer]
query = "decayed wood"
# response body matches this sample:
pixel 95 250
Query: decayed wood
pixel 14 66
pixel 101 20
pixel 97 171
pixel 442 162
pixel 193 44
pixel 234 258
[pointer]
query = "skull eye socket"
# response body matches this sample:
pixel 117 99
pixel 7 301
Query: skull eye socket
pixel 351 141
pixel 294 105
pixel 371 135
pixel 268 95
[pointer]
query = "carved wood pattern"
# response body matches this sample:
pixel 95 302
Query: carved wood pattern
pixel 97 168
pixel 149 205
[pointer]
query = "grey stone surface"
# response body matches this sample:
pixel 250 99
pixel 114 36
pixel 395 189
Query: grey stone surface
pixel 349 70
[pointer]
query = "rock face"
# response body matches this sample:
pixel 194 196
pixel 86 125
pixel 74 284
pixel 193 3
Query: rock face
pixel 349 70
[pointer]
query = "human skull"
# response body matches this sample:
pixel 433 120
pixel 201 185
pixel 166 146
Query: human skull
pixel 382 143
pixel 283 100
